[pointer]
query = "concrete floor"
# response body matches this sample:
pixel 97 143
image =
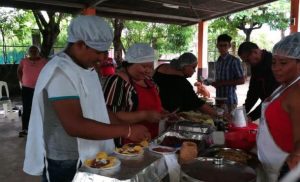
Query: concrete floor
pixel 12 152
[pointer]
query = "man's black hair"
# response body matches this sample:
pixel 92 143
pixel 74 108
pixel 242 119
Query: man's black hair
pixel 224 38
pixel 246 48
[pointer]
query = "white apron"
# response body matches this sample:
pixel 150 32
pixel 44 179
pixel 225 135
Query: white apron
pixel 270 155
pixel 92 104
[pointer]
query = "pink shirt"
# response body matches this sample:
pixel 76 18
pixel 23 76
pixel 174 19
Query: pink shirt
pixel 31 71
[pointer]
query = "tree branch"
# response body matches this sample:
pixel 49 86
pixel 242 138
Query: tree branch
pixel 38 22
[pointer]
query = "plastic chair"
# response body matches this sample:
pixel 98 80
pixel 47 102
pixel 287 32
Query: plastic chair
pixel 4 100
pixel 3 84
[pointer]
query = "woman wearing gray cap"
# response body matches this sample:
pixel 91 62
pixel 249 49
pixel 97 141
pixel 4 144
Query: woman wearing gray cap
pixel 69 122
pixel 278 138
pixel 131 94
pixel 176 92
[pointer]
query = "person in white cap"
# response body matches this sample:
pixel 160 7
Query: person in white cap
pixel 131 94
pixel 69 119
pixel 278 139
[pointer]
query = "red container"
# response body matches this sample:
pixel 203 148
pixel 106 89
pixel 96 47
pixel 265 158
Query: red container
pixel 250 126
pixel 244 140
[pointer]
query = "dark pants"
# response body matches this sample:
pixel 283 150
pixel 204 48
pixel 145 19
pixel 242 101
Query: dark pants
pixel 60 170
pixel 27 95
pixel 284 170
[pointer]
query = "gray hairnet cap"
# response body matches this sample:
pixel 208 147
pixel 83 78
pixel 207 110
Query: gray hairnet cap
pixel 184 60
pixel 140 53
pixel 93 30
pixel 288 46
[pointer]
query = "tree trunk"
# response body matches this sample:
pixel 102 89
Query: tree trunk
pixel 248 33
pixel 118 46
pixel 49 30
pixel 3 46
pixel 49 38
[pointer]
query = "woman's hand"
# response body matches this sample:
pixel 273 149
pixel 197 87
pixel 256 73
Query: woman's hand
pixel 293 159
pixel 151 116
pixel 138 133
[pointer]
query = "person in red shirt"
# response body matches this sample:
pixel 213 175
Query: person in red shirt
pixel 107 67
pixel 28 72
pixel 131 94
pixel 278 140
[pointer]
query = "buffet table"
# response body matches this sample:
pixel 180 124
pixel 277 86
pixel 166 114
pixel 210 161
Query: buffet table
pixel 147 167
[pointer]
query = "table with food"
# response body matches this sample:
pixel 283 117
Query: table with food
pixel 187 151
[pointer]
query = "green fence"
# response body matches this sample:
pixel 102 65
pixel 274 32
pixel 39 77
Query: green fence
pixel 14 54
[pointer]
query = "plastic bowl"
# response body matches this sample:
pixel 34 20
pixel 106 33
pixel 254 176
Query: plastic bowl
pixel 244 140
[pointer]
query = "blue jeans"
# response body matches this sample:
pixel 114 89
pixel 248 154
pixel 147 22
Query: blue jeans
pixel 60 170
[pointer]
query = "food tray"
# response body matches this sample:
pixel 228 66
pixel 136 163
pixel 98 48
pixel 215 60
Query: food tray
pixel 190 126
pixel 207 170
pixel 251 159
pixel 173 138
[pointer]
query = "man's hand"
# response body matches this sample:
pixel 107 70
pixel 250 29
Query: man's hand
pixel 138 133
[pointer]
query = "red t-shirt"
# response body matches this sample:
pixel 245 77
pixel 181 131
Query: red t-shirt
pixel 31 71
pixel 280 124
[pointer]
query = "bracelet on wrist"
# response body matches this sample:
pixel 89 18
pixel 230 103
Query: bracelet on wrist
pixel 129 131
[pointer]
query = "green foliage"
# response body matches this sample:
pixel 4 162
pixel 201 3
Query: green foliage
pixel 275 15
pixel 164 38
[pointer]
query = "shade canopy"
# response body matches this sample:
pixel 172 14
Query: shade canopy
pixel 182 12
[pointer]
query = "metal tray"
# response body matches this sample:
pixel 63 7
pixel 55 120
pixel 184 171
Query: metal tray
pixel 190 126
pixel 203 141
pixel 206 170
pixel 253 161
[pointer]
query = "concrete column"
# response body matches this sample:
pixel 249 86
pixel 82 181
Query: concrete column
pixel 202 49
pixel 294 26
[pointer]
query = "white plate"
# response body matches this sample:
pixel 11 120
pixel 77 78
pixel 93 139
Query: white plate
pixel 131 154
pixel 117 164
pixel 172 150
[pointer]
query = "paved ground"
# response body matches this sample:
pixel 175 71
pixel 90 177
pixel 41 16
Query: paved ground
pixel 12 147
pixel 12 152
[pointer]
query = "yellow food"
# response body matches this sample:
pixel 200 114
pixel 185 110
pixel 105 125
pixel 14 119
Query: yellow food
pixel 88 162
pixel 112 160
pixel 197 117
pixel 137 148
pixel 101 155
pixel 144 143
pixel 130 148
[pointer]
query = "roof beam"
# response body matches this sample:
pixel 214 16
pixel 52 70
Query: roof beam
pixel 105 9
pixel 55 3
pixel 95 3
pixel 183 6
pixel 234 2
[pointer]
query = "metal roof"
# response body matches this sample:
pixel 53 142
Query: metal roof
pixel 183 12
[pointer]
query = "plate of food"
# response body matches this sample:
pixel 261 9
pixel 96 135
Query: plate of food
pixel 162 149
pixel 130 149
pixel 102 162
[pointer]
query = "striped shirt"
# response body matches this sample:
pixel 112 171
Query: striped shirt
pixel 228 68
pixel 119 94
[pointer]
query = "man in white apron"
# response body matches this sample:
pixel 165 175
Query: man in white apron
pixel 278 140
pixel 69 119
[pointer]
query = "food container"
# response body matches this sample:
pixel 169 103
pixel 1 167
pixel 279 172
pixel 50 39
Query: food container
pixel 205 169
pixel 242 139
pixel 239 117
pixel 176 138
pixel 235 155
pixel 195 127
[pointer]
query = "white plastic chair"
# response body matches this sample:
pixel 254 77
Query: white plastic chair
pixel 3 84
pixel 6 102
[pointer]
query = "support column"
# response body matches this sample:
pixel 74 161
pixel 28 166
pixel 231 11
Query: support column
pixel 89 11
pixel 294 24
pixel 202 49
